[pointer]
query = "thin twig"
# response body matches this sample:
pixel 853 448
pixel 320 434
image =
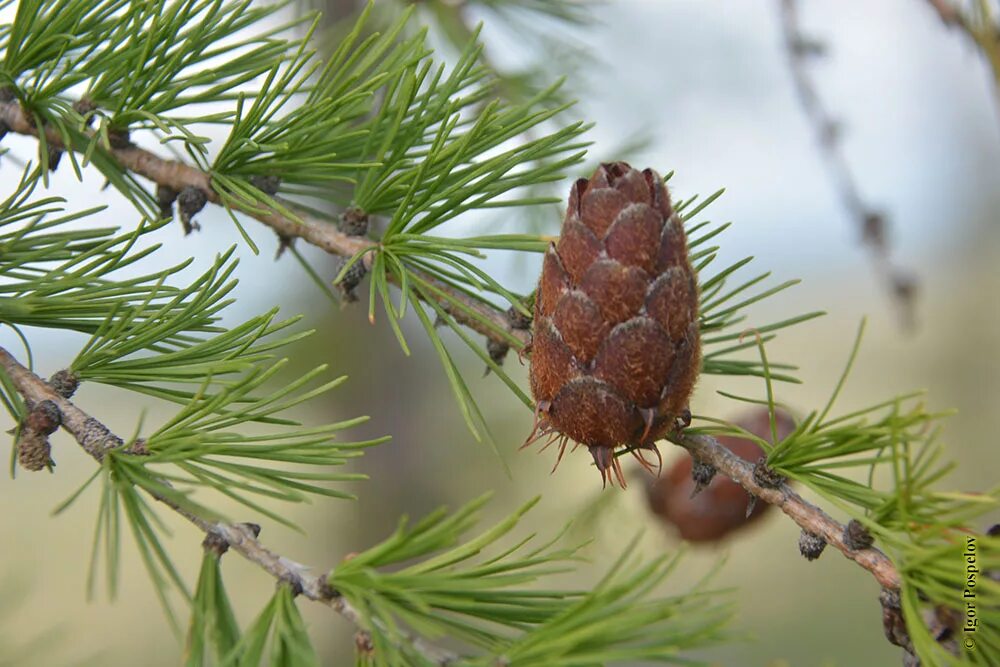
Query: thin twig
pixel 871 223
pixel 705 448
pixel 488 320
pixel 809 517
pixel 982 33
pixel 239 537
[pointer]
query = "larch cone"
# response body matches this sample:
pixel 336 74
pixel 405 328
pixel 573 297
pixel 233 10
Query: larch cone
pixel 615 347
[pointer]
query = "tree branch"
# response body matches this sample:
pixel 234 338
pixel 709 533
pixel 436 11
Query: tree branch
pixel 984 35
pixel 809 517
pixel 490 320
pixel 871 223
pixel 96 439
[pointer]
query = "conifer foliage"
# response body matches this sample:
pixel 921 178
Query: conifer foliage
pixel 366 153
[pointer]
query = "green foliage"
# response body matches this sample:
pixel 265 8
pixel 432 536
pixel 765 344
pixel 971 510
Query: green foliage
pixel 724 315
pixel 416 145
pixel 213 624
pixel 488 596
pixel 883 465
pixel 322 139
pixel 282 624
pixel 61 278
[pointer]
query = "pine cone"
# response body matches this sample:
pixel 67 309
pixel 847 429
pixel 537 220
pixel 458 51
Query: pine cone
pixel 34 452
pixel 615 349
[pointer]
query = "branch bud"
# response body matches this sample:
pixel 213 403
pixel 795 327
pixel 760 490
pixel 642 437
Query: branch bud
pixel 64 383
pixel 351 280
pixel 857 537
pixel 55 155
pixel 765 476
pixel 33 450
pixel 518 320
pixel 354 221
pixel 268 184
pixel 190 202
pixel 811 545
pixel 253 528
pixel 498 352
pixel 893 623
pixel 702 474
pixel 216 544
pixel 363 643
pixel 119 137
pixel 165 198
pixel 43 418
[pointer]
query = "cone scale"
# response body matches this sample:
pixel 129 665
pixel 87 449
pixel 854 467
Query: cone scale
pixel 615 349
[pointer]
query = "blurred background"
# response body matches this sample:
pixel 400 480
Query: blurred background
pixel 704 89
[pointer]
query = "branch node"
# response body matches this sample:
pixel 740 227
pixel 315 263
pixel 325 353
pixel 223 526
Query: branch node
pixel 326 591
pixel 702 473
pixel 215 543
pixel 33 450
pixel 252 528
pixel 64 383
pixel 293 581
pixel 350 280
pixel 55 155
pixel 119 138
pixel 873 230
pixel 6 96
pixel 808 47
pixel 498 352
pixel 766 476
pixel 190 201
pixel 284 243
pixel 269 184
pixel 683 420
pixel 857 537
pixel 811 545
pixel 165 198
pixel 363 643
pixel 138 448
pixel 518 320
pixel 44 418
pixel 354 221
pixel 892 619
pixel 86 108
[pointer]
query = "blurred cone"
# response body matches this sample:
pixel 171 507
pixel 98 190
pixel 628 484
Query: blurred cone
pixel 720 508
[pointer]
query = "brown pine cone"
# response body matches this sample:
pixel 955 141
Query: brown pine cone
pixel 34 452
pixel 615 349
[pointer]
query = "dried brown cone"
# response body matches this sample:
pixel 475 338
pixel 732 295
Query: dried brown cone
pixel 34 452
pixel 615 349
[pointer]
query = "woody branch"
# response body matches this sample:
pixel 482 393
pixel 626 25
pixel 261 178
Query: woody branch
pixel 809 517
pixel 871 223
pixel 178 175
pixel 96 439
pixel 488 320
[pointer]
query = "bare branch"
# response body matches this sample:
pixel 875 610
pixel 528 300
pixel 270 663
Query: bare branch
pixel 96 439
pixel 489 321
pixel 810 518
pixel 981 31
pixel 871 223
